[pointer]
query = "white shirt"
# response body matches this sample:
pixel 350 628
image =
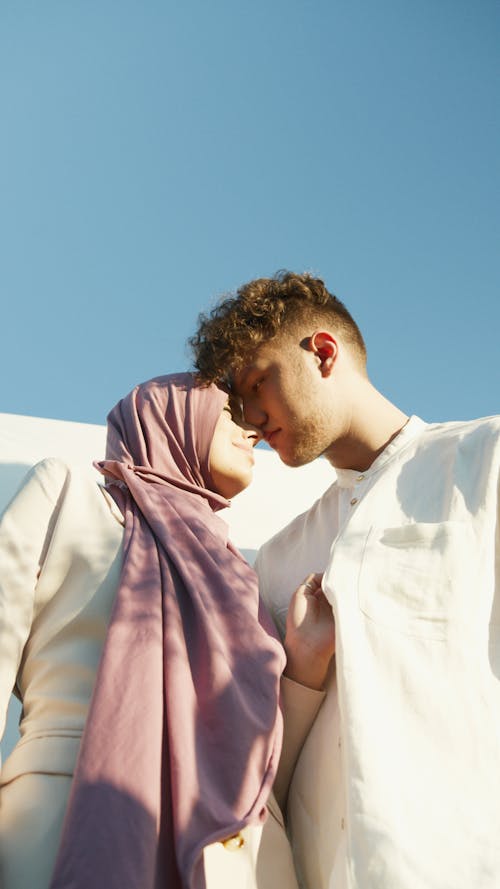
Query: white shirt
pixel 398 783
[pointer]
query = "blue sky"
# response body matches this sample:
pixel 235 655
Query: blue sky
pixel 157 154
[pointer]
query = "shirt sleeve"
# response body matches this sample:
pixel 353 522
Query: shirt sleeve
pixel 25 530
pixel 300 707
pixel 299 703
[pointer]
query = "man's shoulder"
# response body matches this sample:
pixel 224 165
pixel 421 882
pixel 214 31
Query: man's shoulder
pixel 480 432
pixel 488 425
pixel 471 446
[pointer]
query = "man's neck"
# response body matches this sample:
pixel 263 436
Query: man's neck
pixel 373 424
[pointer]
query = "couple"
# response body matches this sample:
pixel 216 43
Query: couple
pixel 390 772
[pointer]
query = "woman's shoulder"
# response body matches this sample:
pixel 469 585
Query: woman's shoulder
pixel 53 480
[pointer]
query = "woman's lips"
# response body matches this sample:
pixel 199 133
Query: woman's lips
pixel 248 449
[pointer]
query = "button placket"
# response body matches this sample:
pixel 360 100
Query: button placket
pixel 357 483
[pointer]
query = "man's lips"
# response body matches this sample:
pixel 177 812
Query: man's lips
pixel 271 437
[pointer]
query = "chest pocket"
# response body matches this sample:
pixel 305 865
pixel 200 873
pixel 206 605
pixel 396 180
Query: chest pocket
pixel 418 578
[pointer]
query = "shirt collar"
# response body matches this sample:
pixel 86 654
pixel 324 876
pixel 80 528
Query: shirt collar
pixel 413 427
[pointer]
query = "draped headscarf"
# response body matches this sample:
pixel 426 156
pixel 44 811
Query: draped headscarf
pixel 183 734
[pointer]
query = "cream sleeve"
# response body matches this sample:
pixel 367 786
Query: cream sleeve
pixel 300 707
pixel 25 531
pixel 299 704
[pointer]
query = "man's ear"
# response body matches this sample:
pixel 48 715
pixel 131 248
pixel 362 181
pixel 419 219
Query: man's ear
pixel 325 346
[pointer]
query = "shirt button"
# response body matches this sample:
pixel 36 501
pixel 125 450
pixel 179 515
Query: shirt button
pixel 354 501
pixel 342 823
pixel 339 744
pixel 360 478
pixel 232 844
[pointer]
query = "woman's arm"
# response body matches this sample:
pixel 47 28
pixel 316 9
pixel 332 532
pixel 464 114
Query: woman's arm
pixel 25 529
pixel 309 645
pixel 300 706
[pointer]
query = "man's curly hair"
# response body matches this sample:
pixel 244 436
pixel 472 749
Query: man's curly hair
pixel 230 334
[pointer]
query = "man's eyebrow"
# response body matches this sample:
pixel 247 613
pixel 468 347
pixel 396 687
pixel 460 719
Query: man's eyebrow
pixel 235 406
pixel 240 378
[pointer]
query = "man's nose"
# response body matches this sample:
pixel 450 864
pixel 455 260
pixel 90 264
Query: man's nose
pixel 253 415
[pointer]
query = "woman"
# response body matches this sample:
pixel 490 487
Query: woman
pixel 183 732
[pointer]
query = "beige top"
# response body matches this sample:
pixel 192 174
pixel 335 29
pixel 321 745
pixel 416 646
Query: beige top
pixel 60 556
pixel 55 601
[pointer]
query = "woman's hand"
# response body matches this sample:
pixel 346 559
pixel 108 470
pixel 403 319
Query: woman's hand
pixel 310 634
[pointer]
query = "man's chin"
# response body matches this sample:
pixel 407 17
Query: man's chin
pixel 294 459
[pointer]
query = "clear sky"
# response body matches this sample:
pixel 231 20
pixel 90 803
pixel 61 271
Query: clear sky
pixel 157 154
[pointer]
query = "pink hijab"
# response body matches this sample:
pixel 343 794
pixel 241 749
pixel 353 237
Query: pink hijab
pixel 183 734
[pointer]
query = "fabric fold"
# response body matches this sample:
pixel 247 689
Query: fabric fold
pixel 183 735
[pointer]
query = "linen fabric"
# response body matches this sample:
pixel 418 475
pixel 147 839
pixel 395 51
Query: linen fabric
pixel 184 730
pixel 61 555
pixel 397 785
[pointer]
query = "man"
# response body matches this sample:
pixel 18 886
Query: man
pixel 397 785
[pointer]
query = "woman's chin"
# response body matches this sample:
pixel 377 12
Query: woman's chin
pixel 235 486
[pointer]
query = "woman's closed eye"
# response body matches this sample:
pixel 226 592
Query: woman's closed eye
pixel 234 407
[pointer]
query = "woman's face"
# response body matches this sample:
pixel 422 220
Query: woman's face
pixel 231 456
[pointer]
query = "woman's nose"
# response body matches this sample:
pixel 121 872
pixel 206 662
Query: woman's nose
pixel 251 434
